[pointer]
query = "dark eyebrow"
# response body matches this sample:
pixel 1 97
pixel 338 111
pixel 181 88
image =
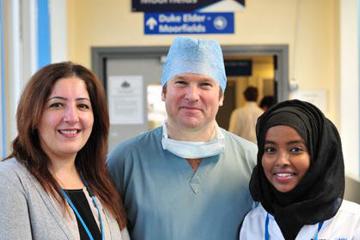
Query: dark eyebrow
pixel 56 97
pixel 179 78
pixel 291 142
pixel 203 78
pixel 62 98
pixel 296 142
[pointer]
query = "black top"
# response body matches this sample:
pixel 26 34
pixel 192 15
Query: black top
pixel 319 194
pixel 79 200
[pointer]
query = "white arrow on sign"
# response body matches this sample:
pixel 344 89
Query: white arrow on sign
pixel 151 22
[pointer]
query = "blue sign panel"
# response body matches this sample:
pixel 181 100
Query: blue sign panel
pixel 189 23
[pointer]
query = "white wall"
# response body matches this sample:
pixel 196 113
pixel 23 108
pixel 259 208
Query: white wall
pixel 2 81
pixel 13 64
pixel 58 30
pixel 349 85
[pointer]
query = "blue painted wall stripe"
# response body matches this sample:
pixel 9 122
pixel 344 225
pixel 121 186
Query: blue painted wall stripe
pixel 43 47
pixel 2 72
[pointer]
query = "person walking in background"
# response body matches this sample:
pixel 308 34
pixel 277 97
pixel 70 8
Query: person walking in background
pixel 299 178
pixel 243 119
pixel 54 184
pixel 187 179
pixel 267 102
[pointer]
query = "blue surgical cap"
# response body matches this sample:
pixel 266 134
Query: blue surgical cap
pixel 188 55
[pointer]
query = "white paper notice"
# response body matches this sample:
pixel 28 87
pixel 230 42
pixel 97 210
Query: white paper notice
pixel 126 98
pixel 316 97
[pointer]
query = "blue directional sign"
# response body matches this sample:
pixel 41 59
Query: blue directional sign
pixel 189 23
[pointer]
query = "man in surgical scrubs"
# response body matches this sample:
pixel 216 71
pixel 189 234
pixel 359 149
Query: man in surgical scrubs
pixel 189 178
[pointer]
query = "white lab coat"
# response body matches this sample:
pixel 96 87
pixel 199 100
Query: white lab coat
pixel 345 225
pixel 243 121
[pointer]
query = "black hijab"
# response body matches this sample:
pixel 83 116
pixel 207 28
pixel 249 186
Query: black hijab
pixel 319 194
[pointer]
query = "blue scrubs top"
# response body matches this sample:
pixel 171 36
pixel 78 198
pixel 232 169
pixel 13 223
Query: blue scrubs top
pixel 165 199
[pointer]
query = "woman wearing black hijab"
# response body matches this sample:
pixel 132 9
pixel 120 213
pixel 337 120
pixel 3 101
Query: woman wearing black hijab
pixel 299 178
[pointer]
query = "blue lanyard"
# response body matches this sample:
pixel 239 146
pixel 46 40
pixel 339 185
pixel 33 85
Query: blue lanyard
pixel 71 204
pixel 267 235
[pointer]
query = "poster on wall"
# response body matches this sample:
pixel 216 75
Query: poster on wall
pixel 183 5
pixel 126 98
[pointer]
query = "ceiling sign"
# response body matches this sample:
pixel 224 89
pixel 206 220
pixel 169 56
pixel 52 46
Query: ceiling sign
pixel 189 23
pixel 181 5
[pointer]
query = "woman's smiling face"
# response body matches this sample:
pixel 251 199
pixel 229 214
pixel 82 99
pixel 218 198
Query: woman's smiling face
pixel 67 119
pixel 285 159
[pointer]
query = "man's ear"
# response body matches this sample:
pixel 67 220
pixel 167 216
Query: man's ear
pixel 221 100
pixel 163 93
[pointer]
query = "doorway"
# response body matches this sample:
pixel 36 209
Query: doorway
pixel 145 63
pixel 244 71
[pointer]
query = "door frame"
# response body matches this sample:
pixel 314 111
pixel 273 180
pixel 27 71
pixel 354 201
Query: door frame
pixel 100 55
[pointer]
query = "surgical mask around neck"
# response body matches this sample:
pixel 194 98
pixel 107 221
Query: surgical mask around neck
pixel 192 150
